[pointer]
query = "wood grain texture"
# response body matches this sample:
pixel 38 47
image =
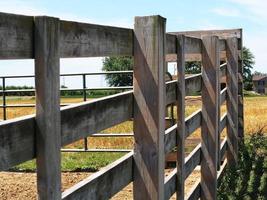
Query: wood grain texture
pixel 83 119
pixel 232 100
pixel 149 107
pixel 195 191
pixel 210 116
pixel 16 36
pixel 47 84
pixel 192 123
pixel 90 40
pixel 180 141
pixel 192 160
pixel 17 140
pixel 170 184
pixel 104 183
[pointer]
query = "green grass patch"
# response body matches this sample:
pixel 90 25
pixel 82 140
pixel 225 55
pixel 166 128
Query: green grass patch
pixel 89 162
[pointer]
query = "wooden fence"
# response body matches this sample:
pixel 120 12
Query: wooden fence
pixel 47 39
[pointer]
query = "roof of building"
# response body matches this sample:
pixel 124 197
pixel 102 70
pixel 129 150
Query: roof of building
pixel 258 77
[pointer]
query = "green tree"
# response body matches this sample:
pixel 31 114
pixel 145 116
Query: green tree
pixel 193 67
pixel 248 63
pixel 122 63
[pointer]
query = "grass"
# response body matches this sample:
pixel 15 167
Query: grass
pixel 255 115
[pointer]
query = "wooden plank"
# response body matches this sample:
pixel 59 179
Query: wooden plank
pixel 195 191
pixel 17 141
pixel 83 119
pixel 171 87
pixel 170 184
pixel 223 148
pixel 90 40
pixel 223 94
pixel 181 128
pixel 222 34
pixel 47 84
pixel 232 101
pixel 149 107
pixel 193 84
pixel 240 88
pixel 192 160
pixel 104 183
pixel 192 123
pixel 16 36
pixel 210 116
pixel 223 122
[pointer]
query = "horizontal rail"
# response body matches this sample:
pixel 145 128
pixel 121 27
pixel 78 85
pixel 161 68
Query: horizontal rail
pixel 96 150
pixel 223 95
pixel 192 123
pixel 194 193
pixel 104 183
pixel 191 162
pixel 223 122
pixel 74 74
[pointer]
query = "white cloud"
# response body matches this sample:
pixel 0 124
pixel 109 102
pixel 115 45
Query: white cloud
pixel 228 12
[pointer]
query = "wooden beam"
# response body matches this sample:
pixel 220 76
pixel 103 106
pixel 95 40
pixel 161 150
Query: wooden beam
pixel 170 184
pixel 210 116
pixel 192 123
pixel 83 119
pixel 17 140
pixel 180 141
pixel 149 107
pixel 195 191
pixel 104 183
pixel 90 40
pixel 223 123
pixel 47 84
pixel 16 36
pixel 192 160
pixel 232 100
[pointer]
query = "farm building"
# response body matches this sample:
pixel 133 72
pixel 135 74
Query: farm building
pixel 260 84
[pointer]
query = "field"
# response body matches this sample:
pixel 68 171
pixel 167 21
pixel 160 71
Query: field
pixel 255 114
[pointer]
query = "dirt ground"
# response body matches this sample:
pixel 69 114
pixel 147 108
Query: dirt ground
pixel 21 186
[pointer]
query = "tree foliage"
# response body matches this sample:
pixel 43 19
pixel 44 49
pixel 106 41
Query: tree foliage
pixel 248 63
pixel 122 63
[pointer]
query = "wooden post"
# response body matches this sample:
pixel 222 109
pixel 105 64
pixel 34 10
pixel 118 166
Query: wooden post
pixel 180 116
pixel 240 89
pixel 232 99
pixel 210 116
pixel 149 108
pixel 47 107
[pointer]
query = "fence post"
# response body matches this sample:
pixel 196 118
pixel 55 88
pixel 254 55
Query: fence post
pixel 240 88
pixel 232 99
pixel 47 83
pixel 210 116
pixel 4 97
pixel 84 99
pixel 180 116
pixel 149 108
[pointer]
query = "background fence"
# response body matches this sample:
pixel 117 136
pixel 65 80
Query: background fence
pixel 46 39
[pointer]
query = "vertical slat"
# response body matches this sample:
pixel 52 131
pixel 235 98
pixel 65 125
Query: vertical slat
pixel 47 107
pixel 181 116
pixel 210 116
pixel 149 108
pixel 240 89
pixel 4 98
pixel 232 99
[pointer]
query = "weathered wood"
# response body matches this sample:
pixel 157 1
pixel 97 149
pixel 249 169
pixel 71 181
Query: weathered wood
pixel 83 119
pixel 193 84
pixel 170 184
pixel 232 100
pixel 47 84
pixel 180 141
pixel 104 183
pixel 171 96
pixel 240 88
pixel 16 36
pixel 210 116
pixel 223 123
pixel 89 40
pixel 223 94
pixel 195 191
pixel 192 123
pixel 192 160
pixel 223 148
pixel 17 140
pixel 149 107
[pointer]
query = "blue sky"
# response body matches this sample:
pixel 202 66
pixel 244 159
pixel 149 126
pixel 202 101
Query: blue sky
pixel 251 15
